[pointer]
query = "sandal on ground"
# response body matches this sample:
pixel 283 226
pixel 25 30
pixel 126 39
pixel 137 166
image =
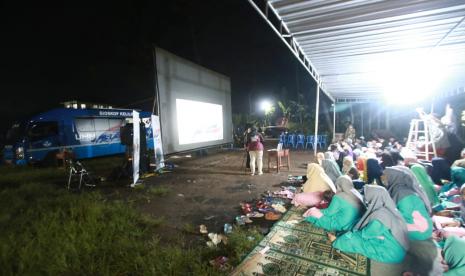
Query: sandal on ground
pixel 272 216
pixel 203 229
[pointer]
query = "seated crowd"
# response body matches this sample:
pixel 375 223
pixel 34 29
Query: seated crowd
pixel 379 201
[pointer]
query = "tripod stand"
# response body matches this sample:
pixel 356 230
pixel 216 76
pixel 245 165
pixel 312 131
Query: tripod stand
pixel 77 169
pixel 244 163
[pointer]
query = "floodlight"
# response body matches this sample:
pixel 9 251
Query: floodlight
pixel 410 76
pixel 265 105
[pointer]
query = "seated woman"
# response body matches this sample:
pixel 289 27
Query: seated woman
pixel 348 168
pixel 425 181
pixel 343 211
pixel 454 256
pixel 381 234
pixel 387 160
pixel 332 153
pixel 374 171
pixel 440 171
pixel 396 157
pixel 457 175
pixel 411 201
pixel 460 162
pixel 454 223
pixel 331 169
pixel 346 146
pixel 317 183
pixel 347 164
pixel 320 157
pixel 362 167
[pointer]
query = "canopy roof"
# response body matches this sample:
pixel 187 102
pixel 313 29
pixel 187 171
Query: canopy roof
pixel 360 49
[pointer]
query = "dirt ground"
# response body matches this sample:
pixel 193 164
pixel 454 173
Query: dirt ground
pixel 208 189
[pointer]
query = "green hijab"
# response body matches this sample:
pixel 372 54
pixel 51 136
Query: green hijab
pixel 454 256
pixel 425 181
pixel 457 175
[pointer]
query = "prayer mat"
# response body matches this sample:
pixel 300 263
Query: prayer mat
pixel 295 247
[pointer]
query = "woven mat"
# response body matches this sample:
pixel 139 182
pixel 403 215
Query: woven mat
pixel 298 248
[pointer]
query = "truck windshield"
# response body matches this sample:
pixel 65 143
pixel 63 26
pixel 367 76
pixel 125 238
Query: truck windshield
pixel 42 130
pixel 14 134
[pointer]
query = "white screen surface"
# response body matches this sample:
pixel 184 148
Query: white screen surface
pixel 199 121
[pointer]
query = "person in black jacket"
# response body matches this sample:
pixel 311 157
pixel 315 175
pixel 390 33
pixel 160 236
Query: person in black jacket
pixel 247 131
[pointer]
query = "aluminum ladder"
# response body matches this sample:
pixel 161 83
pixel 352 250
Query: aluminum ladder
pixel 419 128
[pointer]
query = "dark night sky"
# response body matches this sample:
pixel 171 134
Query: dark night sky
pixel 103 53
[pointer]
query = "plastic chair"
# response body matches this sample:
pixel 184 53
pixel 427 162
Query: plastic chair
pixel 282 139
pixel 300 141
pixel 310 141
pixel 321 140
pixel 324 140
pixel 291 140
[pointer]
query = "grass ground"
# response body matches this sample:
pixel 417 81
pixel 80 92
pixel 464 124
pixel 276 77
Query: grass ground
pixel 45 229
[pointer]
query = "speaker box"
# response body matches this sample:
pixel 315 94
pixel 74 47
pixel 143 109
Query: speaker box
pixel 126 133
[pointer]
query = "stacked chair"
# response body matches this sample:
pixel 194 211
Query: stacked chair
pixel 303 141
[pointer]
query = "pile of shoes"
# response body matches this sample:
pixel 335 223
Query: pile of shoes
pixel 261 212
pixel 270 206
pixel 286 192
pixel 296 180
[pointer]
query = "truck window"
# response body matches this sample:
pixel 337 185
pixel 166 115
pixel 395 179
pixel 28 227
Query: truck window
pixel 42 130
pixel 115 124
pixel 101 124
pixel 14 134
pixel 85 129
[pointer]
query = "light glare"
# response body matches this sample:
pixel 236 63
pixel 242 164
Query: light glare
pixel 410 77
pixel 265 105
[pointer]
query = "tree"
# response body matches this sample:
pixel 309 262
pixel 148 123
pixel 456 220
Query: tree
pixel 300 110
pixel 268 114
pixel 286 110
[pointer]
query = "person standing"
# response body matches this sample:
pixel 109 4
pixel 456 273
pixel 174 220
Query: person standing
pixel 350 132
pixel 255 148
pixel 246 138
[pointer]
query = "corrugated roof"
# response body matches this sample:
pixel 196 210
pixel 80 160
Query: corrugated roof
pixel 353 44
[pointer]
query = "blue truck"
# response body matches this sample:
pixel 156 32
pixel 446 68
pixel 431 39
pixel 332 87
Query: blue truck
pixel 87 133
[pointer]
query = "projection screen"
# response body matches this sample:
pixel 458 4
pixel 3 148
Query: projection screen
pixel 195 104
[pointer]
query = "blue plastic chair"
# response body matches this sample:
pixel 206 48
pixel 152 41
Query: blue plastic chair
pixel 282 139
pixel 321 140
pixel 291 140
pixel 300 141
pixel 310 141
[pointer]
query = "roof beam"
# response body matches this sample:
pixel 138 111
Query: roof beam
pixel 286 36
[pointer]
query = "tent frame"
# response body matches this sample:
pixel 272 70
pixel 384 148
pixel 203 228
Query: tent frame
pixel 270 12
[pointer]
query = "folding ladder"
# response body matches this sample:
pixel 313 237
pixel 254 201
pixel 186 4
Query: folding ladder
pixel 419 128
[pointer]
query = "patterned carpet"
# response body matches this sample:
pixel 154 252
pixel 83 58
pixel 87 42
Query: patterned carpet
pixel 298 248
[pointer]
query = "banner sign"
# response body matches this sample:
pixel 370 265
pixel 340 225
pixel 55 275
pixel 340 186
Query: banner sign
pixel 158 146
pixel 136 146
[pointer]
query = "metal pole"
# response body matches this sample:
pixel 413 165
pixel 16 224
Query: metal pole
pixel 387 123
pixel 334 121
pixel 156 98
pixel 293 45
pixel 315 141
pixel 370 118
pixel 361 111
